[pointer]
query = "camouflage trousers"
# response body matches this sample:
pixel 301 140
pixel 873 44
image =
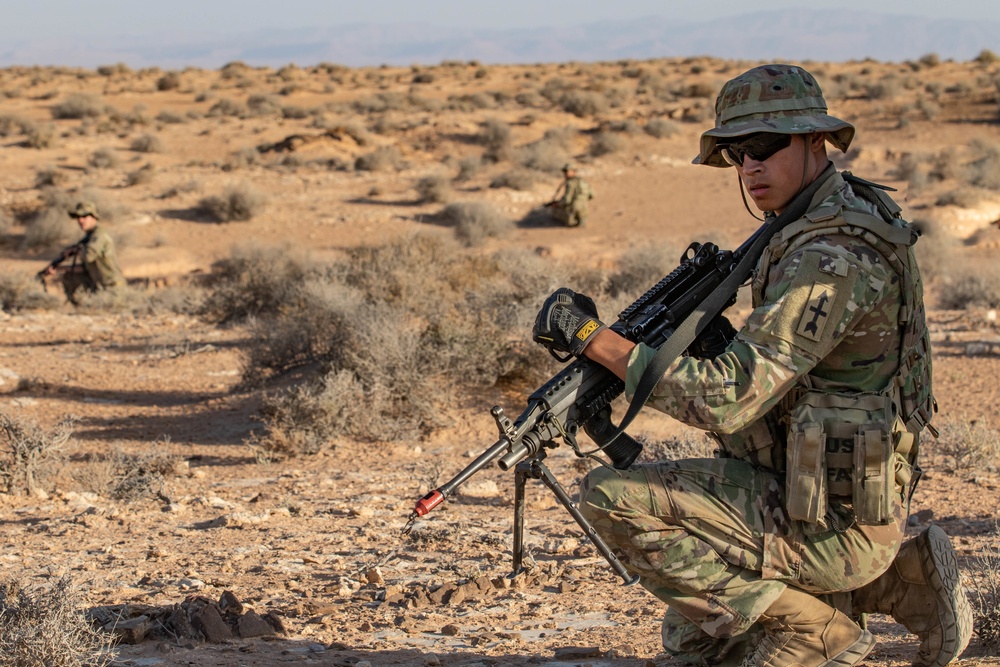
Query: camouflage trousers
pixel 711 539
pixel 569 215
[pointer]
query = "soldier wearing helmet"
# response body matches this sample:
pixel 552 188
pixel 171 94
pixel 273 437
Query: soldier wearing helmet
pixel 771 553
pixel 94 265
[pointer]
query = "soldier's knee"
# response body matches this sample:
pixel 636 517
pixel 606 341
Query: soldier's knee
pixel 595 492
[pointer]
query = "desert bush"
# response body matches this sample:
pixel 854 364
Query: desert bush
pixel 434 189
pixel 141 176
pixel 639 268
pixel 128 477
pixel 21 291
pixel 5 222
pixel 47 626
pixel 967 445
pixel 255 281
pixel 169 81
pixel 966 288
pixel 77 106
pixel 227 107
pixel 468 167
pixel 39 135
pixel 929 60
pixel 49 227
pixel 495 136
pixel 983 573
pixel 29 454
pixel 515 179
pixel 237 203
pixel 381 159
pixel 263 105
pixel 146 143
pixel 168 117
pixel 582 103
pixel 661 128
pixel 475 221
pixel 103 158
pixel 605 143
pixel 986 57
pixel 547 154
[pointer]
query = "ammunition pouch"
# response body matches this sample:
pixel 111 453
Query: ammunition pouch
pixel 850 448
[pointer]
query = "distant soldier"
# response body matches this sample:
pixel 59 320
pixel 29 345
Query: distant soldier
pixel 569 205
pixel 95 263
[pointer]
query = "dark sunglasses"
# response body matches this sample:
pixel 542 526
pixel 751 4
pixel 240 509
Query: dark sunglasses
pixel 759 147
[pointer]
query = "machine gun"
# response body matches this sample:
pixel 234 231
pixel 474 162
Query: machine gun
pixel 581 394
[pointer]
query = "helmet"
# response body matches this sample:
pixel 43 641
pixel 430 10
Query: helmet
pixel 784 99
pixel 83 209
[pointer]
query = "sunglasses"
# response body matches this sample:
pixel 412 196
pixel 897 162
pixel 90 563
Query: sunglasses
pixel 759 147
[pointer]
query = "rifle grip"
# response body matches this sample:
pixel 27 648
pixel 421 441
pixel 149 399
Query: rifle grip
pixel 623 450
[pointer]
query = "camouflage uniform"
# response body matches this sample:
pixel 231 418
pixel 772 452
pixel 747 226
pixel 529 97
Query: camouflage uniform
pixel 571 207
pixel 717 539
pixel 95 265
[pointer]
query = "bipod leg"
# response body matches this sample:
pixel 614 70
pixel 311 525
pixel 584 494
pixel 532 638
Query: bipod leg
pixel 521 471
pixel 539 470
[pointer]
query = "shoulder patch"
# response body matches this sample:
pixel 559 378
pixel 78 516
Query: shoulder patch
pixel 816 315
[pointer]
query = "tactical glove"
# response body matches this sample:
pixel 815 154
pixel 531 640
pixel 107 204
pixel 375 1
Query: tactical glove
pixel 567 322
pixel 714 340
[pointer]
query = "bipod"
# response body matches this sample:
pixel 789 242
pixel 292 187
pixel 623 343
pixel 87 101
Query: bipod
pixel 533 468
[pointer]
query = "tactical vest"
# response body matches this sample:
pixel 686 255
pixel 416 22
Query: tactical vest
pixel 857 448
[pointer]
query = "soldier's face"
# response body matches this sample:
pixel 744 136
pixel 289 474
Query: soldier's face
pixel 86 222
pixel 773 181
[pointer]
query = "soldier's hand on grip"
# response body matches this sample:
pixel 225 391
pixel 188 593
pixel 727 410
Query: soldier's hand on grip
pixel 567 322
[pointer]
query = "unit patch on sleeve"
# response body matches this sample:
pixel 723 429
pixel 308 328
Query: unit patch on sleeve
pixel 817 313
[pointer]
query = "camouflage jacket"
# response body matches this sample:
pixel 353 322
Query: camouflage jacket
pixel 576 195
pixel 100 260
pixel 825 316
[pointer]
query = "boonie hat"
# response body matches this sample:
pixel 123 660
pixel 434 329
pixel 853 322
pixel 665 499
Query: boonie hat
pixel 568 167
pixel 83 209
pixel 784 99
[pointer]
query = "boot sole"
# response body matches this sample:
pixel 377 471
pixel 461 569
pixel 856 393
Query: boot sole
pixel 854 653
pixel 940 564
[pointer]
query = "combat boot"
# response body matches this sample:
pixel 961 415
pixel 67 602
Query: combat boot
pixel 803 631
pixel 921 590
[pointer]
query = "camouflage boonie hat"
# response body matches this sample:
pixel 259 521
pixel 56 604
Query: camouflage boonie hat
pixel 83 209
pixel 568 167
pixel 784 99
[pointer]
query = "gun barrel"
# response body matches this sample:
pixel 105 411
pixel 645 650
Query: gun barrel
pixel 437 496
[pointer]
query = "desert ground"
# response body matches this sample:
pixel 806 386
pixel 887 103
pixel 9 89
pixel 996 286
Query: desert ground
pixel 303 552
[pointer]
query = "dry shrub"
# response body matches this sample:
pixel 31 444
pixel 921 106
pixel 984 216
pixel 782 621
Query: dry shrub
pixel 515 179
pixel 383 158
pixel 434 189
pixel 103 158
pixel 582 103
pixel 495 136
pixel 605 143
pixel 128 477
pixel 169 81
pixel 374 335
pixel 255 281
pixel 468 167
pixel 548 154
pixel 46 626
pixel 967 445
pixel 141 176
pixel 263 105
pixel 20 291
pixel 227 107
pixel 475 221
pixel 639 268
pixel 49 227
pixel 969 288
pixel 29 453
pixel 661 128
pixel 983 573
pixel 78 106
pixel 146 143
pixel 39 135
pixel 237 203
pixel 50 176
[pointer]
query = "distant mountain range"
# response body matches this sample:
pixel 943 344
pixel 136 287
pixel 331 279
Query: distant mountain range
pixel 800 34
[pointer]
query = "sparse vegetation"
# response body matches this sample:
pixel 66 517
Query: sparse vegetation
pixel 967 445
pixel 237 203
pixel 983 573
pixel 29 454
pixel 46 625
pixel 475 221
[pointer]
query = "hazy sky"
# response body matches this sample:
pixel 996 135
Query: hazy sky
pixel 46 19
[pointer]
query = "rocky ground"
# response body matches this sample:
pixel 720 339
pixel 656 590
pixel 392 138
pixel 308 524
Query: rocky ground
pixel 236 561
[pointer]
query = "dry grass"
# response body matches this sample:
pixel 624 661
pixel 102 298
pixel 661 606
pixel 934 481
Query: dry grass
pixel 983 574
pixel 29 454
pixel 966 445
pixel 237 203
pixel 45 626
